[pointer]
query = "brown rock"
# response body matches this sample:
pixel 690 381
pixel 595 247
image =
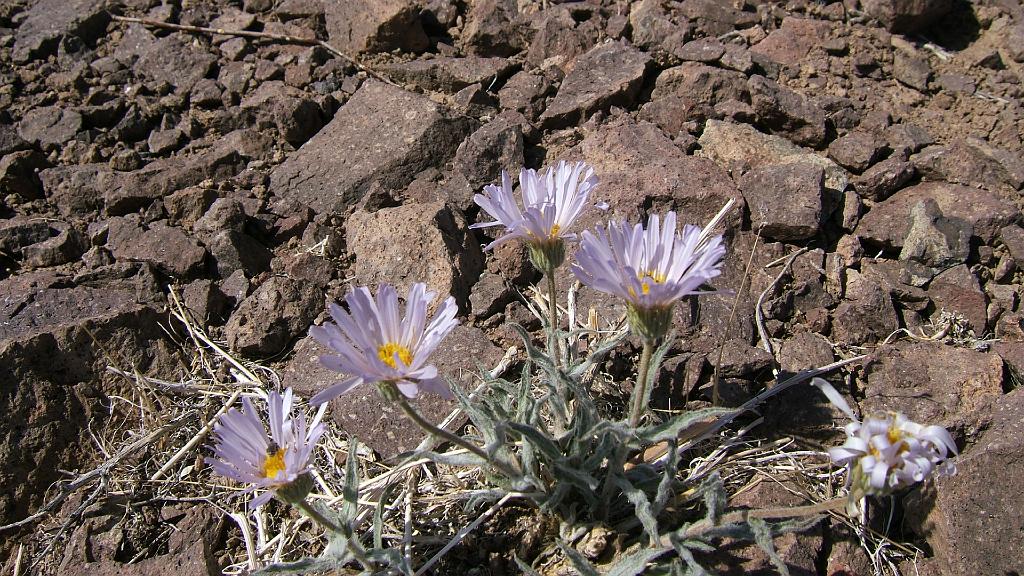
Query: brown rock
pixel 783 111
pixel 449 74
pixel 47 21
pixel 930 382
pixel 741 147
pixel 375 26
pixel 273 316
pixel 641 169
pixel 1013 239
pixel 415 243
pixel 786 200
pixel 496 146
pixel 911 69
pixel 906 16
pixel 560 34
pixel 957 290
pixel 382 134
pixel 867 315
pixel 881 180
pixel 52 341
pixel 971 519
pixel 888 222
pixel 793 41
pixel 700 83
pixel 609 74
pixel 856 151
pixel 971 164
pixel 492 29
pixel 164 246
pixel 523 91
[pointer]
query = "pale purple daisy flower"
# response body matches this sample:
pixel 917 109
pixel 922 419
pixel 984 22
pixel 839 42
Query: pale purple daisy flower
pixel 246 454
pixel 885 454
pixel 552 203
pixel 375 344
pixel 651 269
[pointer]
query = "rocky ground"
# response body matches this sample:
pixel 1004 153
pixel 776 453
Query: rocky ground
pixel 260 177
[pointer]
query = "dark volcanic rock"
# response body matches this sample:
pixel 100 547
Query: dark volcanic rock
pixel 972 163
pixel 642 171
pixel 982 498
pixel 793 41
pixel 171 60
pixel 888 222
pixel 907 16
pixel 957 290
pixel 382 134
pixel 783 111
pixel 881 180
pixel 356 26
pixel 741 147
pixel 930 381
pixel 933 239
pixel 608 75
pixel 415 243
pixel 273 316
pixel 856 151
pixel 496 146
pixel 911 69
pixel 491 29
pixel 449 75
pixel 785 199
pixel 166 247
pixel 19 174
pixel 52 342
pixel 50 126
pixel 47 21
pixel 867 315
pixel 295 115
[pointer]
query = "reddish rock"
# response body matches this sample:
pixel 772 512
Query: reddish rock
pixel 907 16
pixel 415 243
pixel 47 21
pixel 164 246
pixel 930 382
pixel 641 169
pixel 957 290
pixel 881 180
pixel 172 60
pixel 888 222
pixel 700 83
pixel 786 200
pixel 971 164
pixel 610 74
pixel 382 134
pixel 295 115
pixel 375 26
pixel 273 316
pixel 523 92
pixel 561 34
pixel 867 315
pixel 449 74
pixel 783 111
pixel 856 151
pixel 793 41
pixel 971 519
pixel 1013 239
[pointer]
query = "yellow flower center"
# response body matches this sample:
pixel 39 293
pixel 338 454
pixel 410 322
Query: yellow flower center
pixel 646 279
pixel 554 231
pixel 387 352
pixel 274 462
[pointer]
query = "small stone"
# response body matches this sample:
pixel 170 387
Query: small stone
pixel 934 240
pixel 278 312
pixel 856 151
pixel 609 74
pixel 786 200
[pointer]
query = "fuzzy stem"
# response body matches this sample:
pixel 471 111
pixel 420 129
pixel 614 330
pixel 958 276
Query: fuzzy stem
pixel 353 547
pixel 640 393
pixel 443 434
pixel 553 318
